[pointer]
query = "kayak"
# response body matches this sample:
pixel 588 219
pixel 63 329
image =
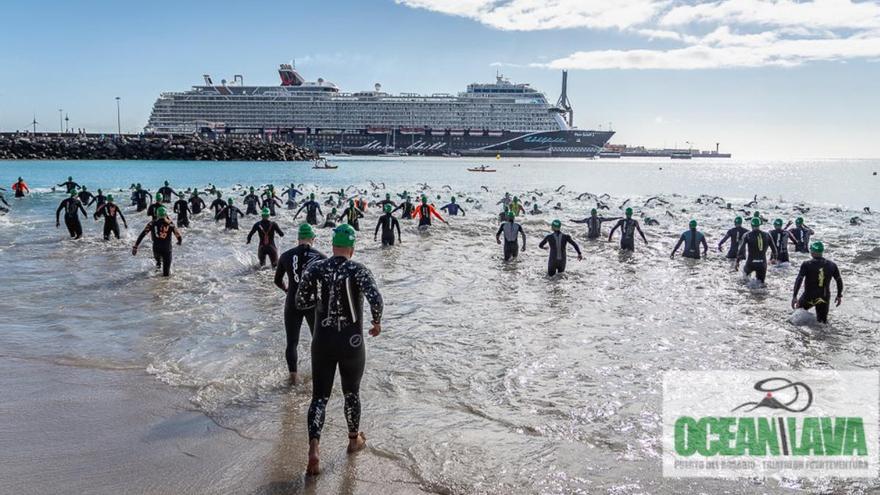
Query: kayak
pixel 482 170
pixel 328 167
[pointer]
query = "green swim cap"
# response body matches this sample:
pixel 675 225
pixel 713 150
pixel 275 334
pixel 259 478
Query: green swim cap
pixel 312 196
pixel 510 215
pixel 161 212
pixel 387 208
pixel 692 224
pixel 350 202
pixel 453 200
pixel 629 212
pixel 264 213
pixel 72 194
pixel 99 191
pixel 166 182
pixel 229 201
pixel 424 199
pixel 738 221
pixel 817 247
pixel 387 196
pixel 344 236
pixel 594 211
pixel 515 198
pixel 110 198
pixel 799 220
pixel 333 211
pixel 69 177
pixel 756 222
pixel 158 196
pixel 777 222
pixel 556 224
pixel 305 232
pixel 252 188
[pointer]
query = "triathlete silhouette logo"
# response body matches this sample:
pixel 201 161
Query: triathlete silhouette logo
pixel 789 400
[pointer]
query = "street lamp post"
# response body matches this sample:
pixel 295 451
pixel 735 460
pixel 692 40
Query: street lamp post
pixel 60 121
pixel 118 119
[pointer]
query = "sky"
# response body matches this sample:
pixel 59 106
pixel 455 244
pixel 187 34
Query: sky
pixel 764 78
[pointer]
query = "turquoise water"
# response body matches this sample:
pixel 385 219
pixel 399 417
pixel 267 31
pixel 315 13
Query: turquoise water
pixel 488 377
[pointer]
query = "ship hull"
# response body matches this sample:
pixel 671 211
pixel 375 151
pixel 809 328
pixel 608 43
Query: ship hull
pixel 561 143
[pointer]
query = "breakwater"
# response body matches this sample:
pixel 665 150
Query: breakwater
pixel 139 147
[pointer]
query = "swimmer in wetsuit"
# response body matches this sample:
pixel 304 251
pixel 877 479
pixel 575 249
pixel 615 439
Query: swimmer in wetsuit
pixel 251 201
pixel 166 191
pixel 181 207
pixel 351 215
pixel 453 208
pixel 98 199
pixel 628 228
pixel 557 245
pixel 69 185
pixel 71 206
pixel 511 231
pixel 816 275
pixel 270 200
pixel 424 212
pixel 109 211
pixel 753 248
pixel 330 220
pixel 387 223
pixel 139 196
pixel 407 207
pixel 734 234
pixel 151 211
pixel 196 203
pixel 313 209
pixel 386 201
pixel 217 205
pixel 160 231
pixel 594 223
pixel 267 230
pixel 780 237
pixel 230 215
pixel 691 239
pixel 800 234
pixel 516 207
pixel 85 197
pixel 336 288
pixel 293 263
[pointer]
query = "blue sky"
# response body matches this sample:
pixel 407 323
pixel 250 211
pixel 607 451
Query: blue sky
pixel 766 78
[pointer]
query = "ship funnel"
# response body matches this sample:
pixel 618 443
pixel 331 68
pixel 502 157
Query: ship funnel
pixel 378 87
pixel 289 76
pixel 238 79
pixel 208 81
pixel 563 105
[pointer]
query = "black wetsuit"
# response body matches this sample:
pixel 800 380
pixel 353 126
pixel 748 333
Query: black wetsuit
pixel 511 231
pixel 72 207
pixel 381 204
pixel 166 193
pixel 181 207
pixel 217 205
pixel 271 202
pixel 329 221
pixel 627 228
pixel 85 197
pixel 753 248
pixel 594 225
pixel 338 339
pixel 735 235
pixel 153 208
pixel 406 208
pixel 387 223
pixel 780 239
pixel 816 275
pixel 230 214
pixel 312 210
pixel 251 201
pixel 691 239
pixel 267 230
pixel 558 243
pixel 292 263
pixel 98 200
pixel 140 199
pixel 351 215
pixel 453 209
pixel 160 232
pixel 196 205
pixel 69 186
pixel 109 211
pixel 801 237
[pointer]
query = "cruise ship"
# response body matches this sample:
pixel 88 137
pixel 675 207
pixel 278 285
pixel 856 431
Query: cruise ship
pixel 488 119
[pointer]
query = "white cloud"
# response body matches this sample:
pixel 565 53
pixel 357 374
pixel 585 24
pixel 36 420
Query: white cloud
pixel 711 34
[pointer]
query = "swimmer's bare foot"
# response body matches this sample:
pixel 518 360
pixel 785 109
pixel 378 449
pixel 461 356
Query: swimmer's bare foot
pixel 314 459
pixel 356 442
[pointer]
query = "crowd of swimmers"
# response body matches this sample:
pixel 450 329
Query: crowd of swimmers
pixel 328 292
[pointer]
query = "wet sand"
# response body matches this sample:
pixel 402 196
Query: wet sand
pixel 72 428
